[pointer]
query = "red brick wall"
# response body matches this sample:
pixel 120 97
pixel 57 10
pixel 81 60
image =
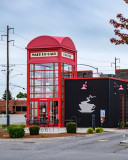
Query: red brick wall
pixel 11 104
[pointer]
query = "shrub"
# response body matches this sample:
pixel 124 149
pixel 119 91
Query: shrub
pixel 22 126
pixel 122 124
pixel 4 126
pixel 42 135
pixel 99 130
pixel 71 127
pixel 3 112
pixel 34 130
pixel 16 132
pixel 90 130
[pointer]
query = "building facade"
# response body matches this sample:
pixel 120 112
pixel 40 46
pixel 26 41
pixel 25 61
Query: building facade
pixel 49 61
pixel 105 97
pixel 15 106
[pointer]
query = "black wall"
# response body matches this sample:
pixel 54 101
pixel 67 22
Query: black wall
pixel 100 93
pixel 74 95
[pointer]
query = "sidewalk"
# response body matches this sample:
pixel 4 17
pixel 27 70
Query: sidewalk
pixel 63 130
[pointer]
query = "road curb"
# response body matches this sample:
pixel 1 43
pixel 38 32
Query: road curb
pixel 33 140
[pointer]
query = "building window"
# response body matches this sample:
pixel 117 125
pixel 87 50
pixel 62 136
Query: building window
pixel 18 108
pixel 44 80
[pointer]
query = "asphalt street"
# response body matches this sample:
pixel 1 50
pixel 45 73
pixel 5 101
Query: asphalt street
pixel 104 146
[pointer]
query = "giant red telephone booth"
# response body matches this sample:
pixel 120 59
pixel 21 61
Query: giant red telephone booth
pixel 49 60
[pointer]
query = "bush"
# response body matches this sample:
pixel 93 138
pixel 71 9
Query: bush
pixel 22 126
pixel 16 132
pixel 42 135
pixel 4 126
pixel 3 112
pixel 90 130
pixel 122 124
pixel 99 130
pixel 34 130
pixel 71 127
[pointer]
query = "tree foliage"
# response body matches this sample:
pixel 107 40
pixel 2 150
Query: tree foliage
pixel 123 24
pixel 10 95
pixel 21 95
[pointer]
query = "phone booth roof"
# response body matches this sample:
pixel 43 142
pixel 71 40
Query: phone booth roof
pixel 51 42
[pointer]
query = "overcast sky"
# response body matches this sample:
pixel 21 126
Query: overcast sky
pixel 86 22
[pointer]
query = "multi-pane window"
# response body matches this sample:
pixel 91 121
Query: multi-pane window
pixel 67 71
pixel 44 80
pixel 33 110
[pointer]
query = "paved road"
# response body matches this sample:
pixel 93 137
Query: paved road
pixel 100 147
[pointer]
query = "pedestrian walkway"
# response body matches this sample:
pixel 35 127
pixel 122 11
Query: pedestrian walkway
pixel 63 130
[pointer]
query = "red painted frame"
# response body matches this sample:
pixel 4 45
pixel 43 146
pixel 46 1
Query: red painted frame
pixel 55 59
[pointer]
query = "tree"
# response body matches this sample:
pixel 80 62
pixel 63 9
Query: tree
pixel 21 95
pixel 122 25
pixel 4 95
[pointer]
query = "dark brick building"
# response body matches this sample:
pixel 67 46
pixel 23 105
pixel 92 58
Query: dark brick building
pixel 122 74
pixel 82 74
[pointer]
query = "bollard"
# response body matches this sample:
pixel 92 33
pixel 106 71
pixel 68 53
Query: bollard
pixel 93 121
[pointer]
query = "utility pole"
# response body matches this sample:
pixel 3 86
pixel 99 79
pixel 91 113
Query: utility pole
pixel 115 64
pixel 7 83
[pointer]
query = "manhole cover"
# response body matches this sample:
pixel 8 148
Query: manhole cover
pixel 29 142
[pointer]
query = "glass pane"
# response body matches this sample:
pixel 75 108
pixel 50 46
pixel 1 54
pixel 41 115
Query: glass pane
pixel 43 89
pixel 35 112
pixel 44 66
pixel 50 119
pixel 38 89
pixel 55 66
pixel 31 95
pixel 67 67
pixel 31 82
pixel 31 105
pixel 56 95
pixel 43 109
pixel 31 89
pixel 55 73
pixel 55 104
pixel 36 105
pixel 31 67
pixel 55 81
pixel 50 104
pixel 56 119
pixel 55 88
pixel 55 112
pixel 50 112
pixel 49 81
pixel 38 96
pixel 31 74
pixel 49 95
pixel 43 96
pixel 30 112
pixel 39 82
pixel 49 73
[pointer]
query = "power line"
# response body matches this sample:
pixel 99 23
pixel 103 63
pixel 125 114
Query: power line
pixel 22 37
pixel 95 60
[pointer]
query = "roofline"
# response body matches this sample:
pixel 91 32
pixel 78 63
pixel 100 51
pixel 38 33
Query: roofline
pixel 46 47
pixel 97 78
pixel 121 69
pixel 85 71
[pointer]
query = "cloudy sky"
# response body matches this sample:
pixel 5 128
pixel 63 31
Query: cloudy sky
pixel 86 22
